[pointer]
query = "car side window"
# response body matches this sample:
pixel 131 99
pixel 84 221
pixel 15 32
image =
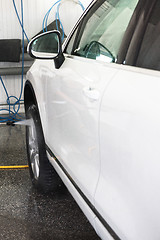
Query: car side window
pixel 149 54
pixel 101 33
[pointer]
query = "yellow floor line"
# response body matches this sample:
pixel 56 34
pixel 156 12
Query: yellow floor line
pixel 12 167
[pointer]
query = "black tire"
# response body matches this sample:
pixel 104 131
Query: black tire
pixel 43 175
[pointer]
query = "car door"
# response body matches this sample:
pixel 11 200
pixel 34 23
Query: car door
pixel 74 91
pixel 127 194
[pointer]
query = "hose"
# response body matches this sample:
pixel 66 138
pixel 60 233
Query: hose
pixel 13 114
pixel 57 17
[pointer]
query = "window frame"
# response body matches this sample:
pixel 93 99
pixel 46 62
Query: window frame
pixel 79 27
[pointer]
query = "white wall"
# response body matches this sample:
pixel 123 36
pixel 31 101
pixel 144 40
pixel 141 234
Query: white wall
pixel 34 12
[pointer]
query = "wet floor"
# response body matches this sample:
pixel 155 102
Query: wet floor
pixel 26 214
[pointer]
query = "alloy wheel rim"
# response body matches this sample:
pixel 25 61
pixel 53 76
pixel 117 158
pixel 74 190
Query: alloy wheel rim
pixel 34 150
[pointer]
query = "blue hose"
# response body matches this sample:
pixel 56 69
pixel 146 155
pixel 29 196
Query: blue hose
pixel 44 24
pixel 19 18
pixel 13 114
pixel 83 8
pixel 57 17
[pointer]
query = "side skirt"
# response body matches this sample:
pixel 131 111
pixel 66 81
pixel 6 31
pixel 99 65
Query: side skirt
pixel 97 214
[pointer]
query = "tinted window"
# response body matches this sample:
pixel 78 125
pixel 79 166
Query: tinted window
pixel 149 55
pixel 102 32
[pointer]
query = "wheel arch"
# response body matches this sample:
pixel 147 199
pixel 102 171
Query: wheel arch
pixel 29 95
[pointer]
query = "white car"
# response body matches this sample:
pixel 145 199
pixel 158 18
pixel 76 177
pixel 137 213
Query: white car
pixel 94 105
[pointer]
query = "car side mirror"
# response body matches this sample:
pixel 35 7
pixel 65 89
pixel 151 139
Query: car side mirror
pixel 47 46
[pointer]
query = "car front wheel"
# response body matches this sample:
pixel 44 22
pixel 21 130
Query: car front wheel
pixel 42 173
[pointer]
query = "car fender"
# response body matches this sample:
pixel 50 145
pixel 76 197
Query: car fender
pixel 35 85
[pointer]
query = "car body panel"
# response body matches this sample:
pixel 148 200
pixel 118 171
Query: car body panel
pixel 101 122
pixel 35 77
pixel 129 146
pixel 131 112
pixel 73 118
pixel 77 196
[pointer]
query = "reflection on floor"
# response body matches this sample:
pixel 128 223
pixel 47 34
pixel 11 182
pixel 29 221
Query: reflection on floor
pixel 26 214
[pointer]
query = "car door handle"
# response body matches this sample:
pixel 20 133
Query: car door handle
pixel 91 93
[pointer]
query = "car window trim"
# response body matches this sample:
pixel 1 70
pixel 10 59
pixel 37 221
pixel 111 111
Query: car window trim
pixel 84 22
pixel 81 25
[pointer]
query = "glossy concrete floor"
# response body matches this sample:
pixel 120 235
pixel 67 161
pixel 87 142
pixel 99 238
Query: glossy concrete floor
pixel 26 214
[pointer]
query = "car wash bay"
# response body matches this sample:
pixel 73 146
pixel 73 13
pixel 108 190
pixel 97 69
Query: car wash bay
pixel 27 214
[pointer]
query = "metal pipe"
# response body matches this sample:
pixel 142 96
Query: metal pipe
pixel 13 71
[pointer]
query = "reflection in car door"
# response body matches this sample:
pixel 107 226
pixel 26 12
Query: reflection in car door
pixel 74 96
